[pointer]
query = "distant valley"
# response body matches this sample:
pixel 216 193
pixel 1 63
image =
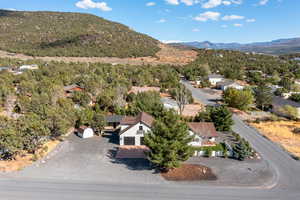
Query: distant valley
pixel 276 47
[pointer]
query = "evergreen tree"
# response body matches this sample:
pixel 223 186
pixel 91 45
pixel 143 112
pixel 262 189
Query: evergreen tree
pixel 168 142
pixel 219 115
pixel 263 96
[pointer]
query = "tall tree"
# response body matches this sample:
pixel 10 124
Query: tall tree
pixel 263 96
pixel 240 99
pixel 169 142
pixel 219 115
pixel 182 97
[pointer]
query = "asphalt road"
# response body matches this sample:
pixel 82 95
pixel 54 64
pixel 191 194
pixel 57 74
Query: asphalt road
pixel 286 184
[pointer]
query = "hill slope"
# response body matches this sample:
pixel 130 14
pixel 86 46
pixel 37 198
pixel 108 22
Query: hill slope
pixel 281 46
pixel 70 34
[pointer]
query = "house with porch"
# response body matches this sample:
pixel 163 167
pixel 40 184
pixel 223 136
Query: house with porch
pixel 215 78
pixel 204 133
pixel 133 129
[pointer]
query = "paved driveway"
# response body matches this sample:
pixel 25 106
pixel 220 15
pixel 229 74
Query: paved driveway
pixel 89 160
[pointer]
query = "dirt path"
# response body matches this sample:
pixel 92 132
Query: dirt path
pixel 167 55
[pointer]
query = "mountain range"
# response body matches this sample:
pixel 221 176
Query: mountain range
pixel 71 34
pixel 276 47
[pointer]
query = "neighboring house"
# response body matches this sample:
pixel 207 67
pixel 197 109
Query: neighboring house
pixel 133 129
pixel 85 132
pixel 169 103
pixel 224 85
pixel 287 95
pixel 204 133
pixel 28 67
pixel 113 121
pixel 274 88
pixel 4 69
pixel 24 68
pixel 279 103
pixel 215 78
pixel 70 89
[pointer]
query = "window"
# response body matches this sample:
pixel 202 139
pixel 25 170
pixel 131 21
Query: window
pixel 140 128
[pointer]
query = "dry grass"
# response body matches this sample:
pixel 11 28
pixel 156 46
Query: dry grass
pixel 282 132
pixel 26 159
pixel 167 55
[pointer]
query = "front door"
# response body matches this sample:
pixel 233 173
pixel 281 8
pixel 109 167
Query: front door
pixel 129 140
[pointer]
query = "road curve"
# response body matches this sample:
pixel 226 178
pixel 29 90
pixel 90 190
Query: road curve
pixel 286 184
pixel 286 169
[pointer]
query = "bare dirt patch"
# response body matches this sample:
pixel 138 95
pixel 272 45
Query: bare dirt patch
pixel 190 172
pixel 191 110
pixel 167 55
pixel 281 132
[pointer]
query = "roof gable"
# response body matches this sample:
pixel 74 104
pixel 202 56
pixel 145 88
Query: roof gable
pixel 203 129
pixel 132 121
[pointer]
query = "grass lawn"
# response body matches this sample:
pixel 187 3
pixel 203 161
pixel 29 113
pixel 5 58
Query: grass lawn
pixel 281 132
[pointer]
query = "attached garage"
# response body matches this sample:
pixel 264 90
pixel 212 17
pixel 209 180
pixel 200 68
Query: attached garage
pixel 129 140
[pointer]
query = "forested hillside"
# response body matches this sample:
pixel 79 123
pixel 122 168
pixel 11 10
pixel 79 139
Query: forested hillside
pixel 242 66
pixel 71 34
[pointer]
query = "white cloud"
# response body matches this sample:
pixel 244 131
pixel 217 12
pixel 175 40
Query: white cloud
pixel 212 3
pixel 162 21
pixel 216 3
pixel 171 41
pixel 226 3
pixel 203 17
pixel 224 26
pixel 86 4
pixel 232 17
pixel 173 2
pixel 263 2
pixel 251 20
pixel 196 30
pixel 11 9
pixel 238 25
pixel 189 2
pixel 150 4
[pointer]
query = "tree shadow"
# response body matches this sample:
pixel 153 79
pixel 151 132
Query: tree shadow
pixel 135 164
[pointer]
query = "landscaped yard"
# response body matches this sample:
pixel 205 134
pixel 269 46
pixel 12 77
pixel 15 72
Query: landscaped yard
pixel 189 172
pixel 282 132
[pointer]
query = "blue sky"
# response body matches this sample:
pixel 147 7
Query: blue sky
pixel 187 20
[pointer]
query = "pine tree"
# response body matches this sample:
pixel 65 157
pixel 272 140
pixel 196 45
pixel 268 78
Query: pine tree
pixel 263 96
pixel 168 142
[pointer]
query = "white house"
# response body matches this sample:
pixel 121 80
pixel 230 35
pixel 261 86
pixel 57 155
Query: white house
pixel 215 78
pixel 133 129
pixel 85 132
pixel 204 134
pixel 28 67
pixel 224 85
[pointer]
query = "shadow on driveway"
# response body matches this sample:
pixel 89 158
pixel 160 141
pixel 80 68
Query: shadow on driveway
pixel 130 163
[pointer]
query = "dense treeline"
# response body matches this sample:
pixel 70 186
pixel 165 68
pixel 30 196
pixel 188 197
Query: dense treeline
pixel 70 34
pixel 42 111
pixel 242 66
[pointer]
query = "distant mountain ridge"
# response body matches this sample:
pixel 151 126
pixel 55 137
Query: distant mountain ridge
pixel 280 46
pixel 72 35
